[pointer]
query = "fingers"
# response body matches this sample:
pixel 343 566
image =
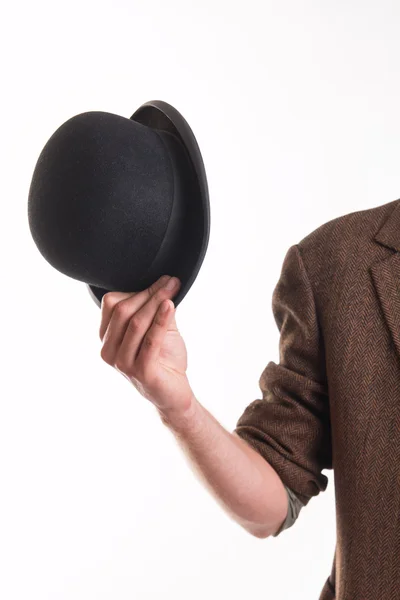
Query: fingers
pixel 108 303
pixel 153 340
pixel 138 354
pixel 134 313
pixel 111 299
pixel 137 331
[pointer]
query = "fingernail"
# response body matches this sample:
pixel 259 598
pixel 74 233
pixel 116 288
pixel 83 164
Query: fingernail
pixel 171 283
pixel 163 279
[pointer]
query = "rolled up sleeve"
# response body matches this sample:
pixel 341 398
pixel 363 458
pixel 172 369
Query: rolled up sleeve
pixel 290 425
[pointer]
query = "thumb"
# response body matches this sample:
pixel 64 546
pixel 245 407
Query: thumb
pixel 172 321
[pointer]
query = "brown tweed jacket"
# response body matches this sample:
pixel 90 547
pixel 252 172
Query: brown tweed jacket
pixel 333 401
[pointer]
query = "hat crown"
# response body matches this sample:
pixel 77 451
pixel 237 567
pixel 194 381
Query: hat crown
pixel 101 194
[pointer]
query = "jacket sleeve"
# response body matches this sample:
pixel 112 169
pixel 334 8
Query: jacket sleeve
pixel 290 425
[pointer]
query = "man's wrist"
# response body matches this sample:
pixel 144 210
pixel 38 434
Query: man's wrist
pixel 180 419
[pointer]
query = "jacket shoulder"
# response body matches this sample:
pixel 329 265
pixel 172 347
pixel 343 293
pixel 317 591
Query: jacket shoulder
pixel 361 222
pixel 329 245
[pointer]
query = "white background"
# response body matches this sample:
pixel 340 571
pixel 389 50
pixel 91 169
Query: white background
pixel 295 106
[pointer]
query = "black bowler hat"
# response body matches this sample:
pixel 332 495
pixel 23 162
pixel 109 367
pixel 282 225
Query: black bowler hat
pixel 117 202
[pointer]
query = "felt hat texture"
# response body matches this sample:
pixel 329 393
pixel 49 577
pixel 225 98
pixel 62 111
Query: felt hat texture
pixel 116 203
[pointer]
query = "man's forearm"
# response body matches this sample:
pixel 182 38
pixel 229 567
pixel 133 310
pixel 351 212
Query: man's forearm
pixel 243 482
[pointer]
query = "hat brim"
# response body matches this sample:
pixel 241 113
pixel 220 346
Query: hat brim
pixel 161 116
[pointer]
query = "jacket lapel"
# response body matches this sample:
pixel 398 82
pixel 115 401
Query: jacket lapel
pixel 386 274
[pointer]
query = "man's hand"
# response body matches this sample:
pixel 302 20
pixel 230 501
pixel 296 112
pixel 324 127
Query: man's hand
pixel 144 344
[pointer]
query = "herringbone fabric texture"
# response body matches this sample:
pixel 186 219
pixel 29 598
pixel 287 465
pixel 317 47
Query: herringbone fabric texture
pixel 333 401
